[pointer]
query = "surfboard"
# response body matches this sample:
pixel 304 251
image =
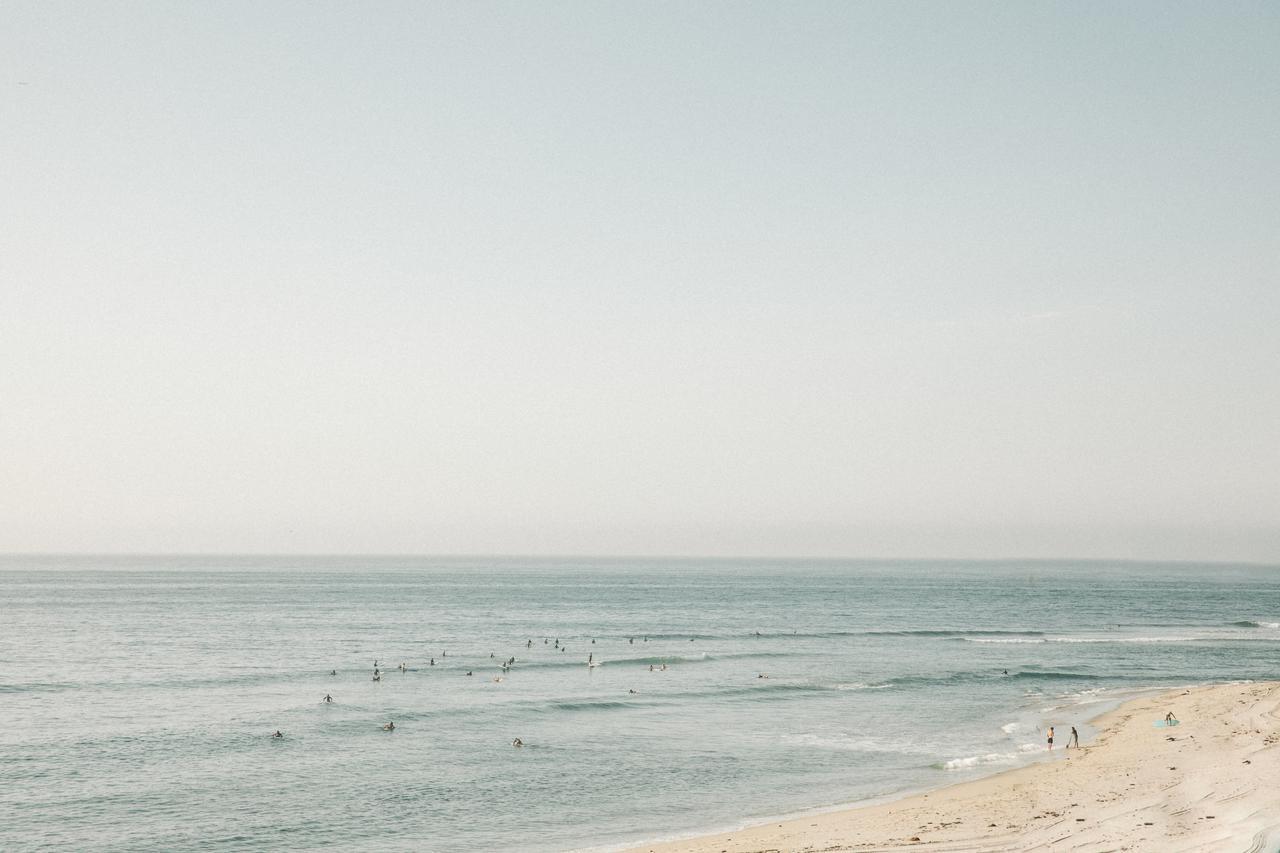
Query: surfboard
pixel 1160 724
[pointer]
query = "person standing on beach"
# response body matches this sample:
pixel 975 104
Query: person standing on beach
pixel 1051 738
pixel 1074 739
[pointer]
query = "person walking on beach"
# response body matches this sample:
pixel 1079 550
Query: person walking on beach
pixel 1074 739
pixel 1051 738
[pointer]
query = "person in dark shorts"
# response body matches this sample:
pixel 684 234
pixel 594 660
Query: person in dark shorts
pixel 1050 737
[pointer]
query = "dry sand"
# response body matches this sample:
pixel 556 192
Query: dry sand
pixel 1210 784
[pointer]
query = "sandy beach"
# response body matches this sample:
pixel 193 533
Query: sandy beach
pixel 1212 783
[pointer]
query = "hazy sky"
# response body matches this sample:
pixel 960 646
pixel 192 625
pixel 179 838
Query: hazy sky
pixel 876 279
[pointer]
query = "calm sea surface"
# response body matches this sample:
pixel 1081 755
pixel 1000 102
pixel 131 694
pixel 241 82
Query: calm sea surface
pixel 137 695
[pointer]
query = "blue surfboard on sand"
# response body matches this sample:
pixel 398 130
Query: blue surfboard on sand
pixel 1160 724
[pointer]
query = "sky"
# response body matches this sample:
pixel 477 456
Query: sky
pixel 744 279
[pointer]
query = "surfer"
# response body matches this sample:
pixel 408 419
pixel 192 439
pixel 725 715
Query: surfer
pixel 328 699
pixel 333 672
pixel 277 733
pixel 1074 739
pixel 389 727
pixel 1050 737
pixel 517 743
pixel 591 657
pixel 468 672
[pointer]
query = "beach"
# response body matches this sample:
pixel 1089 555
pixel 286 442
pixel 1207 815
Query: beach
pixel 1211 783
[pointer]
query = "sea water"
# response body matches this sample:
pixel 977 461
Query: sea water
pixel 138 695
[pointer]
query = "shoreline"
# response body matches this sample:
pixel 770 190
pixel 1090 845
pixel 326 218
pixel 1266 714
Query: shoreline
pixel 1228 743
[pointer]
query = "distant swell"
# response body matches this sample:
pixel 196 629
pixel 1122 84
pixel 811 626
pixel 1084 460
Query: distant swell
pixel 604 705
pixel 1056 676
pixel 945 633
pixel 960 678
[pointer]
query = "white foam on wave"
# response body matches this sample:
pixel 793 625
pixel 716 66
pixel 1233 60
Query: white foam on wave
pixel 980 760
pixel 1005 640
pixel 1039 640
pixel 1072 640
pixel 1010 728
pixel 991 757
pixel 850 743
pixel 1123 639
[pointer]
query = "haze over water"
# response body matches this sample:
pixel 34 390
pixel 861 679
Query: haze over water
pixel 137 695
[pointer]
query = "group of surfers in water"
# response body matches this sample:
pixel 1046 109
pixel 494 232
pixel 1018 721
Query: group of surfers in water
pixel 506 665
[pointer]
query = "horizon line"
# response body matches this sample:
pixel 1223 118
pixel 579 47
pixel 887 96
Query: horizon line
pixel 620 556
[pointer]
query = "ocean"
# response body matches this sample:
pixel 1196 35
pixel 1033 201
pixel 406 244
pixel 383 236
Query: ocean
pixel 138 694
